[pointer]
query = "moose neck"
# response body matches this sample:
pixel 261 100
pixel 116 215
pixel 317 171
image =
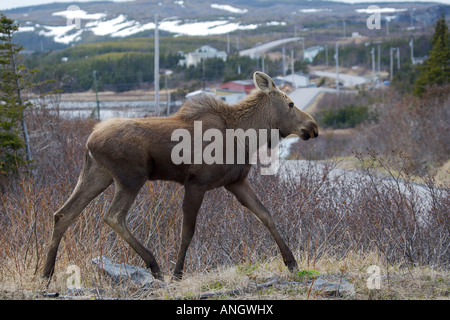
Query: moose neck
pixel 252 113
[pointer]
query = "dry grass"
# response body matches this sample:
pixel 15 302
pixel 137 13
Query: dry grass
pixel 244 281
pixel 132 95
pixel 443 174
pixel 248 281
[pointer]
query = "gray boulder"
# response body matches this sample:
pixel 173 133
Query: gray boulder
pixel 337 288
pixel 120 272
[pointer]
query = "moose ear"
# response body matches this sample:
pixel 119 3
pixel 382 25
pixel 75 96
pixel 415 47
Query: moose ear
pixel 264 82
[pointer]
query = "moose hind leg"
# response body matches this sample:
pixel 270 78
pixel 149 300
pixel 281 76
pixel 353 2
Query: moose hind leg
pixel 116 219
pixel 93 180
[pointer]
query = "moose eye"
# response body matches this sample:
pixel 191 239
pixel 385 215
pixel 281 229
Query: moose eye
pixel 291 104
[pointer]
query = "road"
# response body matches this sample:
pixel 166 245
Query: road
pixel 253 52
pixel 303 97
pixel 346 79
pixel 346 182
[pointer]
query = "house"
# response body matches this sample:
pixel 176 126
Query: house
pixel 298 80
pixel 419 60
pixel 230 96
pixel 198 93
pixel 311 52
pixel 238 85
pixel 203 53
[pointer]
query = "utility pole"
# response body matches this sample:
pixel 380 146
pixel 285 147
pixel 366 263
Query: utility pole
pixel 292 68
pixel 378 65
pixel 204 79
pixel 303 48
pixel 326 54
pixel 379 59
pixel 157 108
pixel 336 56
pixel 398 58
pixel 345 29
pixel 372 52
pixel 391 73
pixel 257 59
pixel 166 75
pixel 411 44
pixel 96 94
pixel 263 65
pixel 387 26
pixel 228 43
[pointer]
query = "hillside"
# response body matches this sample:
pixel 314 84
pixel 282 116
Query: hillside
pixel 116 39
pixel 46 27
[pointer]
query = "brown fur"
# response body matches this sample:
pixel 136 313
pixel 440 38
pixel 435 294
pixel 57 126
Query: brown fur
pixel 129 152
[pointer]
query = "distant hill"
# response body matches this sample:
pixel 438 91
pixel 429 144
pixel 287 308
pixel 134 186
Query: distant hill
pixel 58 25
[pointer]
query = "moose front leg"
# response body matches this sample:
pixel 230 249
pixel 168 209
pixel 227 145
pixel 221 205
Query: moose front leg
pixel 247 197
pixel 193 198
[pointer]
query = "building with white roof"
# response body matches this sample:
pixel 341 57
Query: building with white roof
pixel 203 53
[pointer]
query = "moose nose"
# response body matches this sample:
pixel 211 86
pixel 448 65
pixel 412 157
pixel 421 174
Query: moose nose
pixel 311 131
pixel 305 134
pixel 314 129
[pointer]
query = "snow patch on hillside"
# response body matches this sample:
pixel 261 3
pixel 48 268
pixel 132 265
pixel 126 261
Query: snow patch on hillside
pixel 313 10
pixel 203 28
pixel 79 14
pixel 119 27
pixel 26 29
pixel 226 7
pixel 62 34
pixel 108 27
pixel 380 10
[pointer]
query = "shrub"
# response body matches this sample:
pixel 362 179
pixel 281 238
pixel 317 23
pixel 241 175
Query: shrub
pixel 436 69
pixel 347 117
pixel 418 126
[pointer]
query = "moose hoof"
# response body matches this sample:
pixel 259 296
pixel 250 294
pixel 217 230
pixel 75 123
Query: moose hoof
pixel 292 266
pixel 177 276
pixel 158 276
pixel 47 274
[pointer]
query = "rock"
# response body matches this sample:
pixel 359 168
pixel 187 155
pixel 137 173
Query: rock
pixel 123 272
pixel 335 288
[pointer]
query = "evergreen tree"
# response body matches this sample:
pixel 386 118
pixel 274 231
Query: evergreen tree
pixel 436 69
pixel 13 132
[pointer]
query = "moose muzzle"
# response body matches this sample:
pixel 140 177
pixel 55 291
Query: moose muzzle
pixel 310 131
